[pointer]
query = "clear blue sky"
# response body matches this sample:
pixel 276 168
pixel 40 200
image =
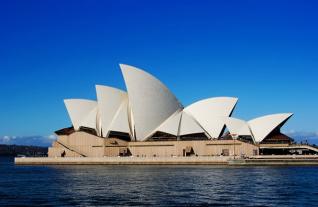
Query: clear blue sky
pixel 263 52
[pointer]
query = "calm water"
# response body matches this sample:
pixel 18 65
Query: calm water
pixel 157 185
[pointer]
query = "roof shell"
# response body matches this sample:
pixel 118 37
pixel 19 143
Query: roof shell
pixel 120 122
pixel 189 125
pixel 150 100
pixel 171 125
pixel 261 127
pixel 210 113
pixel 237 126
pixel 82 112
pixel 109 102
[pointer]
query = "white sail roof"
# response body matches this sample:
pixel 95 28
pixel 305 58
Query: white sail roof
pixel 210 113
pixel 149 106
pixel 120 122
pixel 151 101
pixel 261 127
pixel 131 123
pixel 109 102
pixel 237 126
pixel 82 112
pixel 189 125
pixel 171 125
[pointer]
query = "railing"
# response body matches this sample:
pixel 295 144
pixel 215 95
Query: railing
pixel 71 149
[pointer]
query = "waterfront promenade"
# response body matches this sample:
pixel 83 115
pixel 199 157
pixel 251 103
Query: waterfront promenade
pixel 255 160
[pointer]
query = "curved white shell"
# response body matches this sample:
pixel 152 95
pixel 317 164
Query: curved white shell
pixel 210 113
pixel 151 102
pixel 263 126
pixel 82 112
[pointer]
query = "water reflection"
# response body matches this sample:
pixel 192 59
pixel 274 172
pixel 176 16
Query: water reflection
pixel 158 185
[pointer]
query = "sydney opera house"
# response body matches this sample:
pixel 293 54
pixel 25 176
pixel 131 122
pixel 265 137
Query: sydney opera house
pixel 147 120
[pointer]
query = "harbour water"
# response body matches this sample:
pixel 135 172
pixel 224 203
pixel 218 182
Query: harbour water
pixel 98 185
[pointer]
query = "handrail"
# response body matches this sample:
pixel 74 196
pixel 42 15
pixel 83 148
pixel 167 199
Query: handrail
pixel 294 145
pixel 69 148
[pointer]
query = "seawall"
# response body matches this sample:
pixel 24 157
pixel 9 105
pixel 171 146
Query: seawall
pixel 257 160
pixel 123 161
